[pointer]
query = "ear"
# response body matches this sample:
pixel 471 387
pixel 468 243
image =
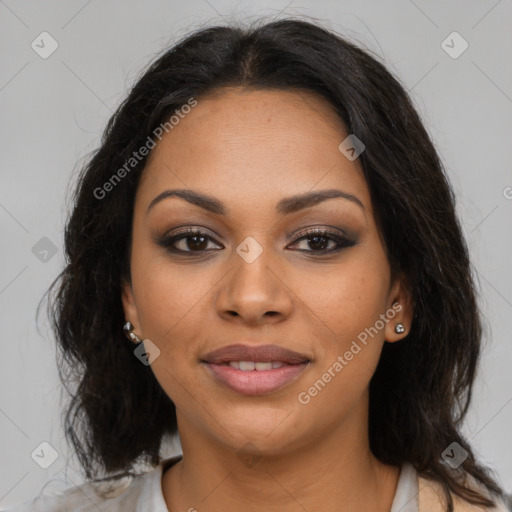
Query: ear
pixel 129 307
pixel 399 309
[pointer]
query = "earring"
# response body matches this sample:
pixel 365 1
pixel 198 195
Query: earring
pixel 399 328
pixel 128 331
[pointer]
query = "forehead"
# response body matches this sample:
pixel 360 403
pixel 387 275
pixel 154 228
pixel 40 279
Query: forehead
pixel 253 144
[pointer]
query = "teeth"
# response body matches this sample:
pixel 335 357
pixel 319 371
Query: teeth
pixel 263 366
pixel 251 365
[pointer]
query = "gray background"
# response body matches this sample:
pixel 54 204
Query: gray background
pixel 54 110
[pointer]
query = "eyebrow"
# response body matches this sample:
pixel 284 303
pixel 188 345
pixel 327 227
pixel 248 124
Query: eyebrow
pixel 285 206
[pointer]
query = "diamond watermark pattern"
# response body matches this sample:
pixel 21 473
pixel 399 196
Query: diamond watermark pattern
pixel 44 45
pixel 147 352
pixel 44 250
pixel 44 455
pixel 249 459
pixel 454 45
pixel 352 147
pixel 454 455
pixel 249 249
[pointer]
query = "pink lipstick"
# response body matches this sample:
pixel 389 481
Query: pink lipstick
pixel 255 370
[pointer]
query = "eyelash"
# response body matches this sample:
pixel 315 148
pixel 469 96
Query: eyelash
pixel 168 241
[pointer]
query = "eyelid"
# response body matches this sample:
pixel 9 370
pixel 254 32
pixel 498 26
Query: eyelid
pixel 322 227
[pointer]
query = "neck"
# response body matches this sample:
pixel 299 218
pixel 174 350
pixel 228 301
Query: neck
pixel 336 472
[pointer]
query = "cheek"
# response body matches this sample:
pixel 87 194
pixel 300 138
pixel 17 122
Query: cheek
pixel 169 297
pixel 348 341
pixel 170 305
pixel 355 316
pixel 346 300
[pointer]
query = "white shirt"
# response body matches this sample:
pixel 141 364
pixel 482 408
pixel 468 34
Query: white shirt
pixel 143 493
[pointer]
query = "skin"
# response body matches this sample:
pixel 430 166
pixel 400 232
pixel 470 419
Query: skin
pixel 250 149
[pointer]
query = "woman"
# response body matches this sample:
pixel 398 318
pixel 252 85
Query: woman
pixel 264 257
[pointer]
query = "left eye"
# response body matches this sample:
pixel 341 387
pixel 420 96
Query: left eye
pixel 194 241
pixel 319 240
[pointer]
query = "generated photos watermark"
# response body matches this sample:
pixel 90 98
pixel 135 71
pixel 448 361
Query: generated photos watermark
pixel 143 151
pixel 304 397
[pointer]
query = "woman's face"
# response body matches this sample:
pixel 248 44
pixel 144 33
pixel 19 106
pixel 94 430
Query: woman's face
pixel 252 278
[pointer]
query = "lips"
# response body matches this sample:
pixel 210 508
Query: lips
pixel 255 370
pixel 258 354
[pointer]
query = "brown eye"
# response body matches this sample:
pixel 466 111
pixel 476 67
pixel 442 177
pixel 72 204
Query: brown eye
pixel 318 241
pixel 189 241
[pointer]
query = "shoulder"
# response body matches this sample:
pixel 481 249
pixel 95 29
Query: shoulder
pixel 431 499
pixel 109 495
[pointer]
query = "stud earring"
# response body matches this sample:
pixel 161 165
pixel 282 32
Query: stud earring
pixel 399 328
pixel 128 331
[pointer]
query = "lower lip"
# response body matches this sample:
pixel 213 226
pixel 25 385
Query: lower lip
pixel 255 382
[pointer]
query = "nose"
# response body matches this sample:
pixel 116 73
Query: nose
pixel 255 293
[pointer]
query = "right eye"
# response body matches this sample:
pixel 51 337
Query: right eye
pixel 191 240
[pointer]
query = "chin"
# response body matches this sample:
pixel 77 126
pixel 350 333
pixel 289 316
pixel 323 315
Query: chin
pixel 271 431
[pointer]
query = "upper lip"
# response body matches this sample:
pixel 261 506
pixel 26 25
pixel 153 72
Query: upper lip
pixel 258 354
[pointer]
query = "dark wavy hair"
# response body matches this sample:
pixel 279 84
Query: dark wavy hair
pixel 118 413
